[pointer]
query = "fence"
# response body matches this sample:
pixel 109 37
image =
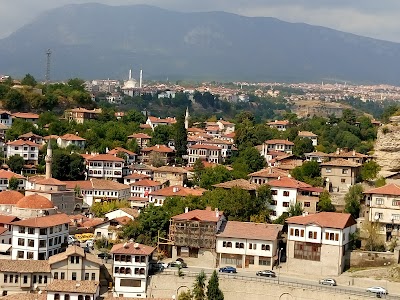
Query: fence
pixel 285 282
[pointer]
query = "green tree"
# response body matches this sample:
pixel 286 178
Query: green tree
pixel 161 135
pixel 302 145
pixel 16 163
pixel 381 181
pixel 252 158
pixel 199 286
pixel 325 202
pixel 295 209
pixel 180 137
pixel 185 295
pixel 370 170
pixel 76 84
pixel 29 80
pixel 198 169
pixel 213 290
pixel 308 172
pixel 352 200
pixel 13 183
pixel 14 99
pixel 213 176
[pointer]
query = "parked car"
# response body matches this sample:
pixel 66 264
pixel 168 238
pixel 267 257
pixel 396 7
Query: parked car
pixel 156 267
pixel 90 244
pixel 227 269
pixel 72 240
pixel 266 273
pixel 104 255
pixel 328 281
pixel 177 264
pixel 377 290
pixel 86 249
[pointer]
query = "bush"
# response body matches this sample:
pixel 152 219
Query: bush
pixel 385 130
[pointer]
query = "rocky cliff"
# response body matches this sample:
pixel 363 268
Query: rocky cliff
pixel 387 147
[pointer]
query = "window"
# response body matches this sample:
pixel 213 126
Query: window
pixel 86 276
pixel 274 192
pixel 296 232
pixel 239 245
pixel 72 259
pixel 396 217
pixel 21 229
pixel 21 242
pixel 43 231
pixel 16 279
pixel 56 296
pixel 66 297
pixel 343 180
pixel 345 171
pixel 31 230
pixel 45 279
pixel 25 279
pixel 302 232
pixel 73 276
pixel 310 234
pixel 285 204
pixel 396 202
pixel 273 202
pixel 80 297
pixel 229 245
pixel 307 251
pixel 42 243
pixel 379 201
pixel 378 215
pixel 264 261
pixel 265 247
pixel 55 275
pixel 87 297
pixel 31 243
pixel 307 204
pixel 94 274
pixel 62 275
pixel 40 278
pixel 130 282
pixel 285 193
pixel 328 170
pixel 29 255
pixel 5 278
pixel 116 270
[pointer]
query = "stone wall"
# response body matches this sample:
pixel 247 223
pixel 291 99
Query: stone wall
pixel 387 148
pixel 374 259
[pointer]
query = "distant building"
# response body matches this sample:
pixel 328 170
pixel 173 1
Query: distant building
pixel 307 134
pixel 105 166
pixel 80 115
pixel 28 150
pixel 279 125
pixel 340 174
pixel 142 139
pixel 70 139
pixel 29 117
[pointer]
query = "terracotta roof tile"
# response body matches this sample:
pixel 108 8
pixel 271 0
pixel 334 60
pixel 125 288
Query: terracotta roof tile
pixel 146 182
pixel 158 148
pixel 199 214
pixel 25 115
pixel 240 183
pixel 389 189
pixel 105 157
pixel 179 191
pixel 73 286
pixel 270 173
pixel 139 136
pixel 24 266
pixel 249 230
pixel 10 197
pixel 120 149
pixel 29 135
pixel 34 201
pixel 50 181
pixel 277 122
pixel 275 142
pixel 4 174
pixel 132 248
pixel 166 120
pixel 73 250
pixel 324 219
pixel 71 137
pixel 170 169
pixel 136 176
pixel 22 143
pixel 288 182
pixel 25 296
pixel 340 162
pixel 204 146
pixel 306 134
pixel 44 222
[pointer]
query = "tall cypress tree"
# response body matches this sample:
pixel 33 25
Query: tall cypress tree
pixel 213 290
pixel 180 137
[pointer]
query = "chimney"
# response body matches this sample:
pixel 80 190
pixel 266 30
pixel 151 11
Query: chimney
pixel 186 210
pixel 337 151
pixel 175 189
pixel 279 177
pixel 354 152
pixel 216 212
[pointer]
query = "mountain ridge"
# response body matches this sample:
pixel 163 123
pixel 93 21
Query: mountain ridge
pixel 98 41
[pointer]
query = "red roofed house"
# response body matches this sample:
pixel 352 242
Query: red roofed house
pixel 319 243
pixel 70 139
pixel 340 174
pixel 209 153
pixel 28 150
pixel 383 207
pixel 279 125
pixel 144 187
pixel 142 139
pixel 287 191
pixel 130 157
pixel 165 153
pixel 154 121
pixel 193 233
pixel 79 115
pixel 158 197
pixel 131 264
pixel 226 127
pixel 105 166
pixel 29 117
pixel 5 177
pixel 247 244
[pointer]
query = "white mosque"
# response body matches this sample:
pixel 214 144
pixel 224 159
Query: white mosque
pixel 131 86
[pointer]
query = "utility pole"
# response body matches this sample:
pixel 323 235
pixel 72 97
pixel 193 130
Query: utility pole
pixel 47 77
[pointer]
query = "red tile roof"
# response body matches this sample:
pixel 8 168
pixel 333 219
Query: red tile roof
pixel 8 175
pixel 324 219
pixel 277 122
pixel 249 230
pixel 22 143
pixel 7 219
pixel 201 215
pixel 132 248
pixel 306 134
pixel 179 191
pixel 34 201
pixel 270 173
pixel 120 149
pixel 71 137
pixel 44 222
pixel 139 136
pixel 145 126
pixel 146 182
pixel 166 120
pixel 239 183
pixel 341 162
pixel 275 142
pixel 10 197
pixel 105 157
pixel 51 181
pixel 136 176
pixel 389 189
pixel 158 148
pixel 25 115
pixel 288 182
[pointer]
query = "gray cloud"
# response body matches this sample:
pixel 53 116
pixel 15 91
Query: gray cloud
pixel 378 19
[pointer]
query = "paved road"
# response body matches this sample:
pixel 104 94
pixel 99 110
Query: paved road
pixel 285 279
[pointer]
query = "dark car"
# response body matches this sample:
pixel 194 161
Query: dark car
pixel 177 264
pixel 104 255
pixel 227 270
pixel 266 273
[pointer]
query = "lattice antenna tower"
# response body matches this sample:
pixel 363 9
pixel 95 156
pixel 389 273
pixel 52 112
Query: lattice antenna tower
pixel 48 53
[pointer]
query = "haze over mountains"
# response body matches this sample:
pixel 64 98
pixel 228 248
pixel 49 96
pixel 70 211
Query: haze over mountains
pixel 100 41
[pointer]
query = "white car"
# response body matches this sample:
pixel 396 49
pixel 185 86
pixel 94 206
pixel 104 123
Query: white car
pixel 377 290
pixel 328 281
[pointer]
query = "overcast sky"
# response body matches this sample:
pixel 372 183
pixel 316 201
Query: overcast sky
pixel 373 18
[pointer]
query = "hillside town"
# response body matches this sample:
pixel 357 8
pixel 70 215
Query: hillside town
pixel 96 202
